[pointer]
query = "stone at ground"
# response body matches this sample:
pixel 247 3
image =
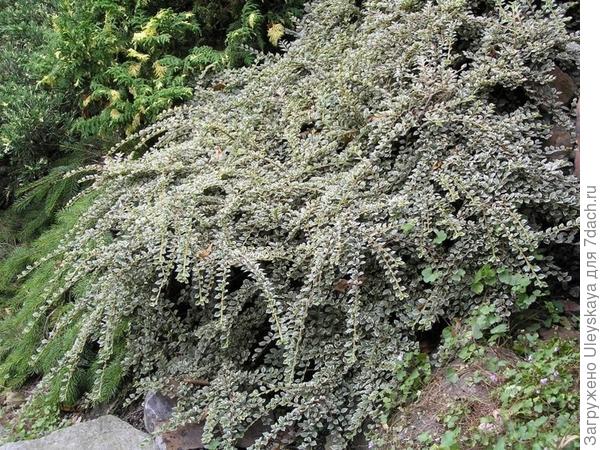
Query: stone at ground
pixel 104 433
pixel 158 409
pixel 560 137
pixel 559 332
pixel 190 437
pixel 571 307
pixel 564 84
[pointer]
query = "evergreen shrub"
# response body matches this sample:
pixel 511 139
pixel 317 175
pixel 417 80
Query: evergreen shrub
pixel 295 229
pixel 32 122
pixel 130 60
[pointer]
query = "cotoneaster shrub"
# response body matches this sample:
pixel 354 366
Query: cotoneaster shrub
pixel 293 230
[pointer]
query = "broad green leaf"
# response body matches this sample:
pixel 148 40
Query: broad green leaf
pixel 499 329
pixel 458 275
pixel 451 375
pixel 440 236
pixel 477 287
pixel 407 227
pixel 429 275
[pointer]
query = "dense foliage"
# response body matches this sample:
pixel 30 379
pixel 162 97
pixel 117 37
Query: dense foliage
pixel 33 123
pixel 292 231
pixel 131 60
pixel 75 76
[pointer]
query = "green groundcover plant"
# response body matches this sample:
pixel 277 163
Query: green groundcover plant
pixel 293 230
pixel 498 393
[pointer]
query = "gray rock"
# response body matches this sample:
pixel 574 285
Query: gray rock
pixel 560 137
pixel 190 437
pixel 104 433
pixel 158 409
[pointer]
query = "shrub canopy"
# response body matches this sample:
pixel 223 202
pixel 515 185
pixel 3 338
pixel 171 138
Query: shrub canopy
pixel 294 229
pixel 77 75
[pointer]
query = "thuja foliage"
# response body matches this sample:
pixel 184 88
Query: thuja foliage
pixel 131 60
pixel 295 228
